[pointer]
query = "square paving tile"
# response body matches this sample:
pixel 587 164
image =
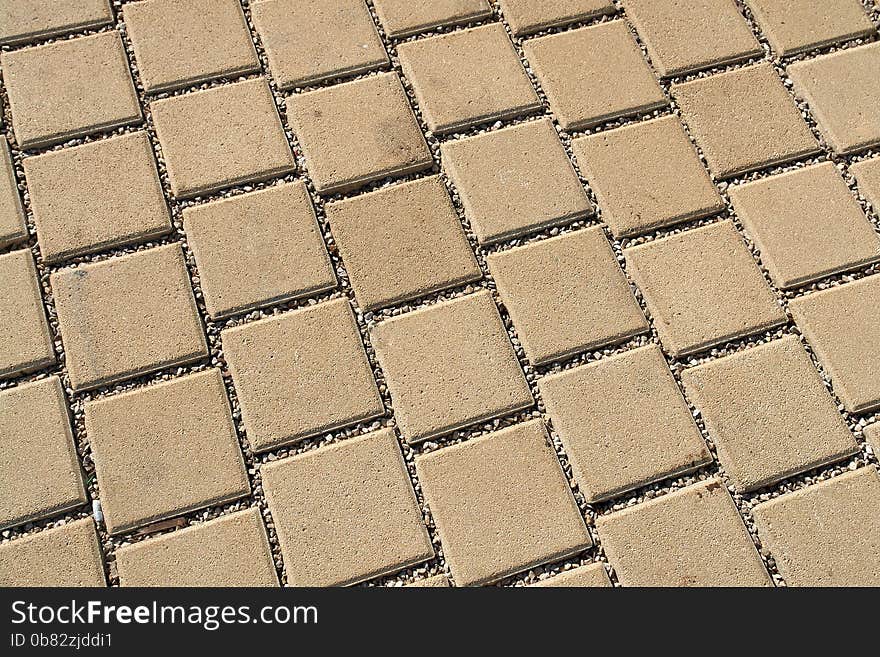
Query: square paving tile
pixel 69 88
pixel 702 288
pixel 346 512
pixel 39 19
pixel 843 92
pixel 346 147
pixel 501 504
pixel 527 16
pixel 127 316
pixel 69 555
pixel 872 436
pixel 436 581
pixel 164 450
pixel 221 137
pixel 464 78
pixel 684 36
pixel 25 341
pixel 96 196
pixel 646 175
pixel 842 325
pixel 402 18
pixel 12 225
pixel 624 423
pixel 593 75
pixel 768 413
pixel 515 180
pixel 402 242
pixel 178 44
pixel 230 551
pixel 301 373
pixel 583 576
pixel 257 249
pixel 449 365
pixel 744 120
pixel 806 224
pixel 827 534
pixel 566 294
pixel 867 173
pixel 40 470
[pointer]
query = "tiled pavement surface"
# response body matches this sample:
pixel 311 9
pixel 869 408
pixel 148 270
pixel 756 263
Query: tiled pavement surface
pixel 564 292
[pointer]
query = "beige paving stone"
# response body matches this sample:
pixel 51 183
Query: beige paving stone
pixel 68 89
pixel 12 225
pixel 793 26
pixel 527 16
pixel 39 467
pixel 566 294
pixel 594 74
pixel 346 512
pixel 744 120
pixel 436 581
pixel 127 316
pixel 468 77
pixel 583 576
pixel 258 248
pixel 501 504
pixel 221 137
pixel 692 537
pixel 702 288
pixel 230 551
pixel 867 173
pixel 687 35
pixel 872 436
pixel 96 196
pixel 25 341
pixel 401 18
pixel 178 44
pixel 402 242
pixel 515 180
pixel 646 176
pixel 301 373
pixel 827 534
pixel 29 20
pixel 69 555
pixel 449 365
pixel 842 326
pixel 164 450
pixel 346 147
pixel 843 91
pixel 806 224
pixel 768 413
pixel 624 423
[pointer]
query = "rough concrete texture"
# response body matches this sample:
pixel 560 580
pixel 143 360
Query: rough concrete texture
pixel 584 576
pixel 527 16
pixel 39 19
pixel 12 222
pixel 401 18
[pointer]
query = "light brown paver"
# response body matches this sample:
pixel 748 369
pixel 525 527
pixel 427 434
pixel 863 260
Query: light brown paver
pixel 702 288
pixel 436 581
pixel 806 224
pixel 692 537
pixel 69 555
pixel 827 534
pixel 178 44
pixel 39 470
pixel 308 41
pixel 464 78
pixel 843 92
pixel 402 242
pixel 449 365
pixel 12 225
pixel 684 36
pixel 594 74
pixel 744 120
pixel 566 294
pixel 346 147
pixel 346 512
pixel 527 16
pixel 583 576
pixel 867 174
pixel 127 316
pixel 646 175
pixel 258 248
pixel 230 551
pixel 768 413
pixel 164 450
pixel 102 194
pixel 25 341
pixel 221 137
pixel 69 88
pixel 624 423
pixel 301 373
pixel 501 504
pixel 401 18
pixel 872 436
pixel 842 325
pixel 29 20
